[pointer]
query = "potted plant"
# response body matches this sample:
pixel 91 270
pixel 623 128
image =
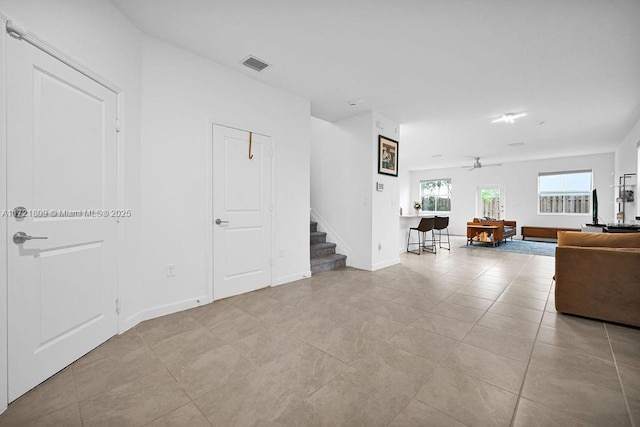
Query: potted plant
pixel 417 205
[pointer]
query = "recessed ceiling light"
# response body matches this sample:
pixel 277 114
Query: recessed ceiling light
pixel 355 102
pixel 508 117
pixel 516 144
pixel 541 123
pixel 436 155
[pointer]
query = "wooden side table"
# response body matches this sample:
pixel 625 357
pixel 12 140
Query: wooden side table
pixel 476 230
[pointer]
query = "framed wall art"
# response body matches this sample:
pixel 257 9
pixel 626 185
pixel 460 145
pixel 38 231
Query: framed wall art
pixel 387 156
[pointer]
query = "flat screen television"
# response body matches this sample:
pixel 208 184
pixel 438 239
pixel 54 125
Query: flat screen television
pixel 594 208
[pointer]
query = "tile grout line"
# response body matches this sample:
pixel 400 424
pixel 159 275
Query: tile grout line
pixel 450 352
pixel 476 322
pixel 75 387
pixel 108 390
pixel 615 363
pixel 526 371
pixel 162 361
pixel 166 368
pixel 411 398
pixel 436 368
pixel 578 352
pixel 191 401
pixel 180 407
pixel 458 343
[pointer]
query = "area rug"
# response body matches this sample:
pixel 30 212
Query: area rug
pixel 521 247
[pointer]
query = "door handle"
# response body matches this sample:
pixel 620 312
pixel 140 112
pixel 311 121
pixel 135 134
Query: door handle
pixel 219 221
pixel 21 237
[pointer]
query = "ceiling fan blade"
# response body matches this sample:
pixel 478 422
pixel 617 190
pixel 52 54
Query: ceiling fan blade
pixel 472 168
pixel 492 164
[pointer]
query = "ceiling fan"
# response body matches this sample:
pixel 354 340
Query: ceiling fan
pixel 478 165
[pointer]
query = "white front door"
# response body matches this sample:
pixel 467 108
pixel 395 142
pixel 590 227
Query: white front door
pixel 61 150
pixel 491 202
pixel 241 211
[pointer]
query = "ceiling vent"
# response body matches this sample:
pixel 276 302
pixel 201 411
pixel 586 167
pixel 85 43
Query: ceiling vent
pixel 254 63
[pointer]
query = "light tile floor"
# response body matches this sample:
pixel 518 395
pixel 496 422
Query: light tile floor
pixel 466 337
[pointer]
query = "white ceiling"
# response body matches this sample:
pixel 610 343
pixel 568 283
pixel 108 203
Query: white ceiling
pixel 443 69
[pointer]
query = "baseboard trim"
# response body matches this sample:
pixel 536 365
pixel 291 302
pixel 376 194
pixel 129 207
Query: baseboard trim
pixel 385 264
pixel 163 310
pixel 292 278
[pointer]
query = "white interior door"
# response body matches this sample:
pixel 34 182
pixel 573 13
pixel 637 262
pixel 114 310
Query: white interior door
pixel 61 149
pixel 491 202
pixel 241 212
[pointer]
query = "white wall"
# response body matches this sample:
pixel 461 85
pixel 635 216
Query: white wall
pixel 344 170
pixel 520 180
pixel 626 161
pixel 385 207
pixel 182 94
pixel 341 159
pixel 163 152
pixel 97 35
pixel 404 184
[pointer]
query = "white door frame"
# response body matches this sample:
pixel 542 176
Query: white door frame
pixel 4 338
pixel 38 42
pixel 209 198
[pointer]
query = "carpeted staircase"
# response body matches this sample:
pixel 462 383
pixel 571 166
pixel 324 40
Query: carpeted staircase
pixel 323 253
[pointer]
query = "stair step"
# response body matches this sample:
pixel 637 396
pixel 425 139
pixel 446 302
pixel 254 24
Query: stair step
pixel 313 226
pixel 322 249
pixel 329 262
pixel 318 237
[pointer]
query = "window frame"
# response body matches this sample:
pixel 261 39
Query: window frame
pixel 421 196
pixel 563 213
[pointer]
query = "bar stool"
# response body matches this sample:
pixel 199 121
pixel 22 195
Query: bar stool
pixel 442 223
pixel 426 225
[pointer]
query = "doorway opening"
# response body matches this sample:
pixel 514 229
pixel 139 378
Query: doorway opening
pixel 491 202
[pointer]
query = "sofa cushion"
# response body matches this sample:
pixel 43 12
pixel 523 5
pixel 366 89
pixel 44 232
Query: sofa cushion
pixel 608 240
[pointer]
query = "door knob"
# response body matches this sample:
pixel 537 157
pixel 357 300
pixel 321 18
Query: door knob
pixel 219 221
pixel 21 237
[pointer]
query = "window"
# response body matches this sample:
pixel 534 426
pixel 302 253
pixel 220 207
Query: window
pixel 436 195
pixel 564 192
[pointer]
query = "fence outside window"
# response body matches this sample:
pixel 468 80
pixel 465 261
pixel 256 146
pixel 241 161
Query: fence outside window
pixel 435 195
pixel 564 192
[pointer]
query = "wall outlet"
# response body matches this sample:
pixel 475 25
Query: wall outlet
pixel 281 253
pixel 171 270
